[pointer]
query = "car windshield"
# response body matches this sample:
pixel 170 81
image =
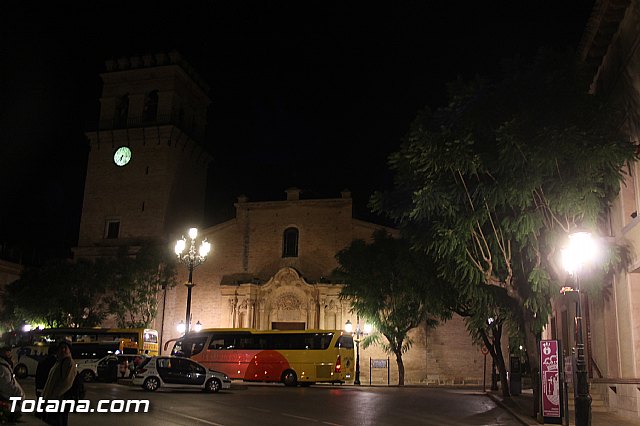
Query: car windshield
pixel 144 362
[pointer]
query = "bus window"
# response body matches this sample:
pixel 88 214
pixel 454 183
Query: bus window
pixel 150 337
pixel 345 342
pixel 317 341
pixel 223 341
pixel 93 350
pixel 197 345
pixel 189 347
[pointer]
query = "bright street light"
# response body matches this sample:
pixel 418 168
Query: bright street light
pixel 192 259
pixel 580 251
pixel 348 327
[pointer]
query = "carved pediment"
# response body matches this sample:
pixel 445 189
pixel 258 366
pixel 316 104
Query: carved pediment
pixel 287 277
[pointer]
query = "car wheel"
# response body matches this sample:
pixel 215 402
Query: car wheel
pixel 21 371
pixel 213 386
pixel 151 384
pixel 88 376
pixel 289 378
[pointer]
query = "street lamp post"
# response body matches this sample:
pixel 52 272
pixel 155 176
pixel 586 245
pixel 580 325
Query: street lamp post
pixel 581 250
pixel 182 326
pixel 349 328
pixel 192 259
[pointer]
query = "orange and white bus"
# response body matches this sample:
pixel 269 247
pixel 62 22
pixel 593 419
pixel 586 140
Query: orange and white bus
pixel 290 357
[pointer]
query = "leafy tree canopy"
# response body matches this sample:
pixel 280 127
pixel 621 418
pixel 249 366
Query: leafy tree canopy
pixel 133 295
pixel 393 287
pixel 58 294
pixel 63 293
pixel 491 184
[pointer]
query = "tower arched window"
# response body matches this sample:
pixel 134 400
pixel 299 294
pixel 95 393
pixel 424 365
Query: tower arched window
pixel 151 106
pixel 290 243
pixel 122 112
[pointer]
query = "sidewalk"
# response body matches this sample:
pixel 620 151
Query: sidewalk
pixel 521 407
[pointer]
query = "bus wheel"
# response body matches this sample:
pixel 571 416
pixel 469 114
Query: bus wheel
pixel 151 384
pixel 21 371
pixel 289 378
pixel 213 386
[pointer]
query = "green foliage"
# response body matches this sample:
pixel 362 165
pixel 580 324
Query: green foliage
pixel 58 294
pixel 133 294
pixel 63 293
pixel 393 287
pixel 491 184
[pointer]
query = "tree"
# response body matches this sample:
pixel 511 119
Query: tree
pixel 486 311
pixel 491 184
pixel 393 287
pixel 133 294
pixel 59 294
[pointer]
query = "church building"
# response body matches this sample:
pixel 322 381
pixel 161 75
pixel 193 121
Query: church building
pixel 270 266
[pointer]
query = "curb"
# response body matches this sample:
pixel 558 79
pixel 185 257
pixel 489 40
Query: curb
pixel 523 420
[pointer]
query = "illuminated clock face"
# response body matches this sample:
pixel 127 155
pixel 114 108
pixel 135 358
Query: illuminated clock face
pixel 122 156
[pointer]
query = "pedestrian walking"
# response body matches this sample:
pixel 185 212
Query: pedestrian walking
pixel 44 367
pixel 59 382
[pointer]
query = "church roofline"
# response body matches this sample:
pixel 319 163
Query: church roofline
pixel 283 203
pixel 374 226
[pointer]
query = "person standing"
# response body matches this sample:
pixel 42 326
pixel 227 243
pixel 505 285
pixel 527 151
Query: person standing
pixel 44 367
pixel 9 386
pixel 59 381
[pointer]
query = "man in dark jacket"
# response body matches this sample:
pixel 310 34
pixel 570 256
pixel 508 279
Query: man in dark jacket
pixel 44 366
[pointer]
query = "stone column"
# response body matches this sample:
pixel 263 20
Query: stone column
pixel 321 325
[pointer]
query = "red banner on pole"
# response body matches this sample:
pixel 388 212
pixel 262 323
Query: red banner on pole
pixel 550 375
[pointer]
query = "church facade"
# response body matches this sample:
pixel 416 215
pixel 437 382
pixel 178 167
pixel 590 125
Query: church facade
pixel 270 266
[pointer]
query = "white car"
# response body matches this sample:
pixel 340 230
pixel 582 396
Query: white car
pixel 178 372
pixel 108 368
pixel 88 368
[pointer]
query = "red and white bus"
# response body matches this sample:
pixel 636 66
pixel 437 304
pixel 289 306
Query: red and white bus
pixel 290 357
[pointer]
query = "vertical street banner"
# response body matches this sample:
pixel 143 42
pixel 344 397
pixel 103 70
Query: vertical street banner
pixel 550 381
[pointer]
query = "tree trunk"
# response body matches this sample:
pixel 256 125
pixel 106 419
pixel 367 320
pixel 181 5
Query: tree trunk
pixel 400 368
pixel 495 349
pixel 531 342
pixel 502 370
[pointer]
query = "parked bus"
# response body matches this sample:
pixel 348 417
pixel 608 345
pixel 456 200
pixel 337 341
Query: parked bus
pixel 146 338
pixel 87 344
pixel 290 357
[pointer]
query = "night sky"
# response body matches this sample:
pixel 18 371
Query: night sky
pixel 308 94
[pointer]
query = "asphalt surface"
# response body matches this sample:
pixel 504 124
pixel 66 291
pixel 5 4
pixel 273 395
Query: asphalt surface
pixel 274 404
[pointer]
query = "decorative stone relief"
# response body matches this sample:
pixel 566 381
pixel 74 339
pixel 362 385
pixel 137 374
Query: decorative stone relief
pixel 288 301
pixel 287 307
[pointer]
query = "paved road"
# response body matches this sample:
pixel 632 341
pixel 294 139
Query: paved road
pixel 277 405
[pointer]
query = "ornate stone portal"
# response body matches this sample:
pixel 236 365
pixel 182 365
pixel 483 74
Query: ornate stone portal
pixel 285 301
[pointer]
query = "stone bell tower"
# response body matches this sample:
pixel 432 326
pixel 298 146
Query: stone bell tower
pixel 147 167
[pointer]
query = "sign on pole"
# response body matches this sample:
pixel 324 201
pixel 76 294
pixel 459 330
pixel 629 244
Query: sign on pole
pixel 550 381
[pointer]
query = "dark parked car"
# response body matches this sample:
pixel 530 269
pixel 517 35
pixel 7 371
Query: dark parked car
pixel 177 372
